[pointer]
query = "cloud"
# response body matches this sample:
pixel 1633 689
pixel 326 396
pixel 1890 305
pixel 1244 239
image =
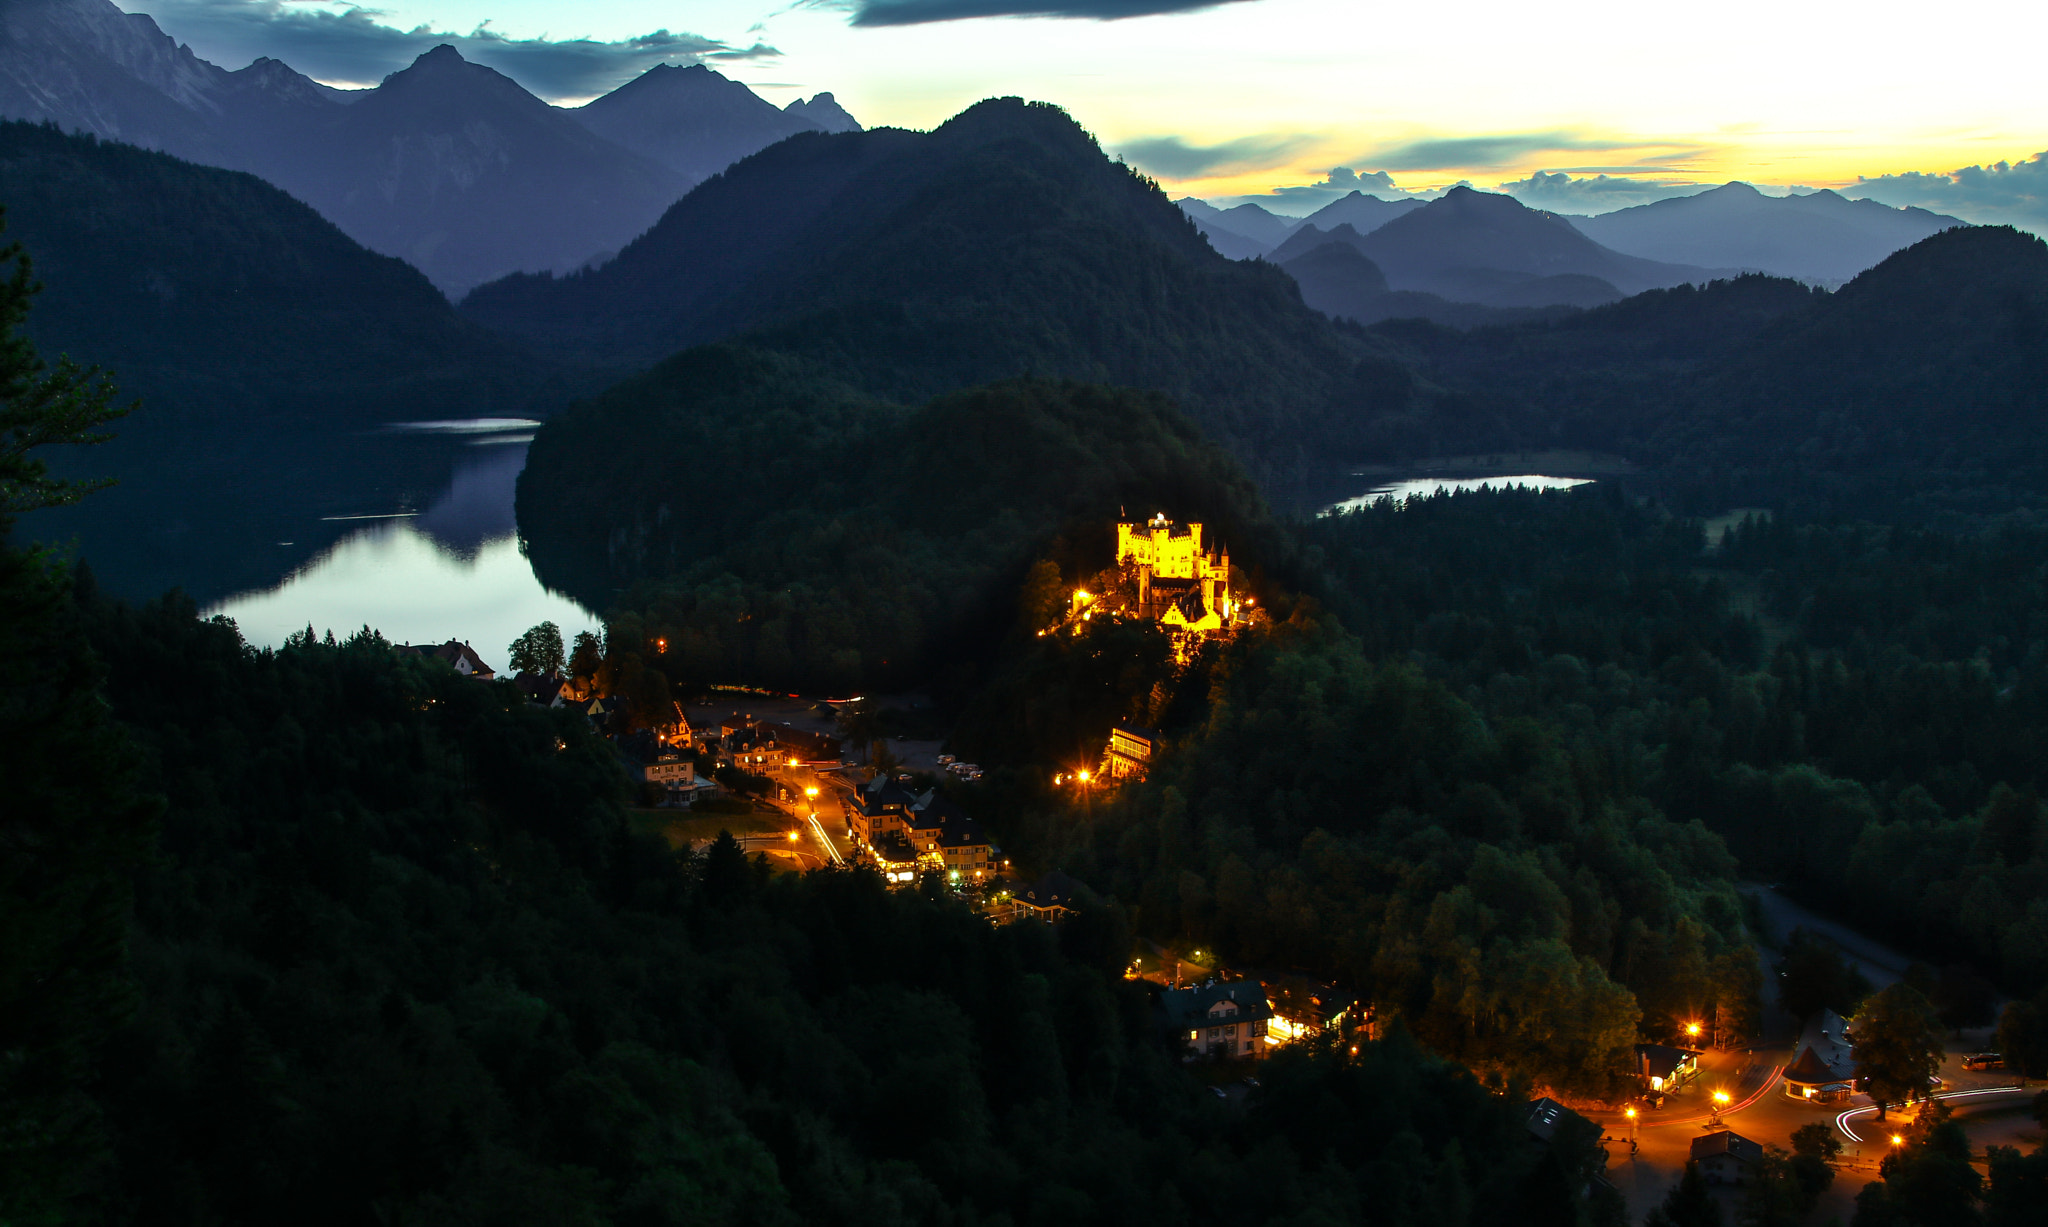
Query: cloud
pixel 339 42
pixel 918 12
pixel 1170 157
pixel 1471 151
pixel 1602 193
pixel 2003 193
pixel 1301 199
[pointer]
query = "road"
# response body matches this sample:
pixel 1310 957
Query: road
pixel 1760 1111
pixel 817 800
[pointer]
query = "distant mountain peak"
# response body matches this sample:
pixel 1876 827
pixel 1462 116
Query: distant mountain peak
pixel 824 110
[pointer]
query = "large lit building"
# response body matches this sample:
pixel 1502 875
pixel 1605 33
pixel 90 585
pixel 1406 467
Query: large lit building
pixel 1180 584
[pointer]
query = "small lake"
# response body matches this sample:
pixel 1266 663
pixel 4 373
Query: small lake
pixel 450 569
pixel 1404 489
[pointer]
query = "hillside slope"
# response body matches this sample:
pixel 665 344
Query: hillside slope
pixel 1001 243
pixel 1468 245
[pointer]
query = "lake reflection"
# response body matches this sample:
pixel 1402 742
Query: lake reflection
pixel 1423 487
pixel 450 571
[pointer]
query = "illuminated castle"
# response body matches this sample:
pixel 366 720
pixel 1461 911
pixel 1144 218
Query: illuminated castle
pixel 1180 585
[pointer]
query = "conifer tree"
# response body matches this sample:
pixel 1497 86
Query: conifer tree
pixel 72 827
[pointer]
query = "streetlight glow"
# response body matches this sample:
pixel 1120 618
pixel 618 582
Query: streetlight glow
pixel 1721 1097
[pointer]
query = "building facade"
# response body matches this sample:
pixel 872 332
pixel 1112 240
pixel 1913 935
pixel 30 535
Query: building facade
pixel 1220 1019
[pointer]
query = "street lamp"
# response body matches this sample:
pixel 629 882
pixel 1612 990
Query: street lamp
pixel 1721 1099
pixel 1631 1114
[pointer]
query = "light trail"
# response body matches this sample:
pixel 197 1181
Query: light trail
pixel 1842 1121
pixel 818 829
pixel 1730 1110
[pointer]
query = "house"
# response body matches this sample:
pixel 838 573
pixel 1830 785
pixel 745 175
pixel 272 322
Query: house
pixel 1823 1068
pixel 457 655
pixel 1219 1019
pixel 802 745
pixel 1130 752
pixel 1663 1068
pixel 650 760
pixel 548 689
pixel 878 808
pixel 946 839
pixel 1726 1157
pixel 1546 1116
pixel 1051 899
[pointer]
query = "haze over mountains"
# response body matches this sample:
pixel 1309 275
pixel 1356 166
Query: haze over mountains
pixel 1819 236
pixel 449 165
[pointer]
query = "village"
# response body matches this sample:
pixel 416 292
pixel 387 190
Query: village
pixel 782 775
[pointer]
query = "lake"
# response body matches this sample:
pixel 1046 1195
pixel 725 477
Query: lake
pixel 1422 487
pixel 407 528
pixel 451 569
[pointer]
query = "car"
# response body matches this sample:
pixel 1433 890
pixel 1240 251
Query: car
pixel 1984 1060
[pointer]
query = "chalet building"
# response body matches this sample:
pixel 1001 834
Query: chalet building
pixel 1664 1069
pixel 651 760
pixel 1726 1157
pixel 1219 1019
pixel 878 808
pixel 1130 752
pixel 947 840
pixel 457 655
pixel 1823 1068
pixel 1049 900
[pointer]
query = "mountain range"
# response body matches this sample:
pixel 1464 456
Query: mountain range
pixel 1002 242
pixel 267 350
pixel 1819 236
pixel 449 165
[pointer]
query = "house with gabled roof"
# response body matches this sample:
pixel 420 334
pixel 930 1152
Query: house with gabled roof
pixel 1726 1157
pixel 457 655
pixel 1221 1019
pixel 1823 1068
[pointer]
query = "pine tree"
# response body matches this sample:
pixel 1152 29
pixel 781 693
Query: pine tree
pixel 73 827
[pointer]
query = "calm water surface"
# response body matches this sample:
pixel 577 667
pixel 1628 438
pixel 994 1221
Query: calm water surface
pixel 1423 487
pixel 450 570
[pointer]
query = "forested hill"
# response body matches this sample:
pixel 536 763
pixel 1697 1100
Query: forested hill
pixel 220 300
pixel 775 525
pixel 1930 359
pixel 1002 243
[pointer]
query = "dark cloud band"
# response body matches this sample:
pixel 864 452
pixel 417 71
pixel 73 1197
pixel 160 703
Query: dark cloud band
pixel 919 12
pixel 1170 157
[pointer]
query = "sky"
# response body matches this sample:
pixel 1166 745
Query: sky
pixel 1577 105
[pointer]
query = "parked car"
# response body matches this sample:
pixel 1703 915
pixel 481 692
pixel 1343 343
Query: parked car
pixel 1984 1060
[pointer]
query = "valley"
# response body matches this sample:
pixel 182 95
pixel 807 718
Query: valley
pixel 663 658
